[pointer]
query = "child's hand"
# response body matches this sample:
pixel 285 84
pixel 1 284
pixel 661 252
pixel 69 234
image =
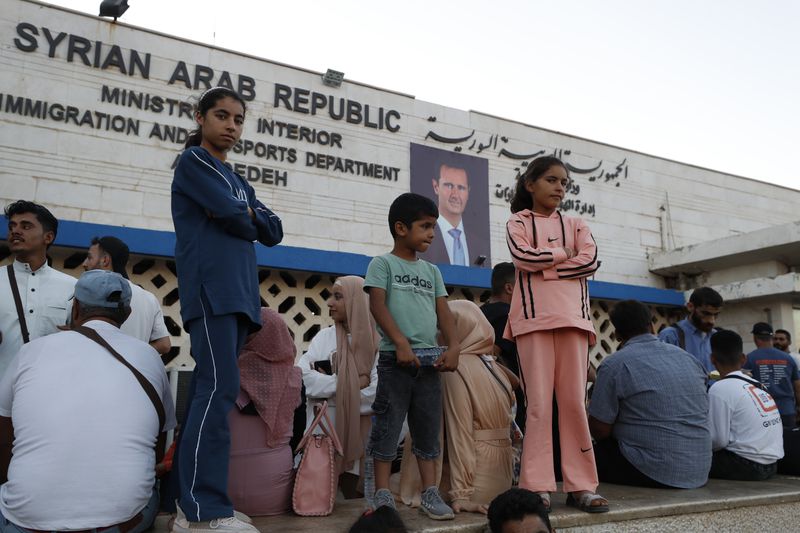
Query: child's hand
pixel 570 253
pixel 448 362
pixel 405 357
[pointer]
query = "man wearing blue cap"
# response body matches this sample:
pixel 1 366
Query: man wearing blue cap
pixel 86 411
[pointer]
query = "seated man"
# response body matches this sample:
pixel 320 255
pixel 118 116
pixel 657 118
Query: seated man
pixel 519 511
pixel 746 429
pixel 85 432
pixel 649 409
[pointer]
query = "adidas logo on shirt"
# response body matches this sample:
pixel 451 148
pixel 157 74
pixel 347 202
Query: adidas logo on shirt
pixel 422 283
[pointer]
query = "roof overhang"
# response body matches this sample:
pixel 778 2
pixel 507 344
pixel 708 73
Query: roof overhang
pixel 776 243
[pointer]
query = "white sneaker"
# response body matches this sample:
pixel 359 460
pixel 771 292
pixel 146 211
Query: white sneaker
pixel 230 524
pixel 182 525
pixel 241 516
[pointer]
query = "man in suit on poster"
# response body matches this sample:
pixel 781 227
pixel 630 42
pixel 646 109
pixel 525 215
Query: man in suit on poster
pixel 460 239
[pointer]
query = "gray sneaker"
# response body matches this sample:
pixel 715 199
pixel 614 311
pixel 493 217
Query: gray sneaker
pixel 433 505
pixel 384 497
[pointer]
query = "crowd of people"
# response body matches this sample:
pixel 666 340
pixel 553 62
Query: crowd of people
pixel 488 404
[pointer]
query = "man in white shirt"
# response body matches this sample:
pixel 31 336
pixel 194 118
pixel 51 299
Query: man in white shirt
pixel 746 428
pixel 44 292
pixel 146 322
pixel 79 434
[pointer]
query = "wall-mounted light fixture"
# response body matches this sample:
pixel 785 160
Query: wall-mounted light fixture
pixel 113 8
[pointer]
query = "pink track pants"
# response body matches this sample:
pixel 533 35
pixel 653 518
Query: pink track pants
pixel 557 360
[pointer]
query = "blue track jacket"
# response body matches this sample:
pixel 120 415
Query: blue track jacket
pixel 214 250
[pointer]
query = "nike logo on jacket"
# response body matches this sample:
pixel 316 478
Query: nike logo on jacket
pixel 551 291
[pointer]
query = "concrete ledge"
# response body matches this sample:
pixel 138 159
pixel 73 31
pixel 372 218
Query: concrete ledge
pixel 758 519
pixel 779 243
pixel 632 509
pixel 633 504
pixel 737 291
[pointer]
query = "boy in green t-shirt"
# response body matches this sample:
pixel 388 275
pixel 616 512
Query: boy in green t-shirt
pixel 407 297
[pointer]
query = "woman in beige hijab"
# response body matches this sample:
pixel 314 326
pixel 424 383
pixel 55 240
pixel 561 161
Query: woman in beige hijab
pixel 477 399
pixel 339 367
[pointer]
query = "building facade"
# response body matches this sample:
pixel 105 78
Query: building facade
pixel 94 115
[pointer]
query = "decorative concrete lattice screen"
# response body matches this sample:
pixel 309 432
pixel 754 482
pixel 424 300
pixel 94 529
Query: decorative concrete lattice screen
pixel 300 297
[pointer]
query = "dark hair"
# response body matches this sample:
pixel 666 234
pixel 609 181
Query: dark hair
pixel 449 160
pixel 516 504
pixel 705 296
pixel 117 250
pixel 630 318
pixel 788 335
pixel 522 199
pixel 43 215
pixel 502 273
pixel 206 102
pixel 727 347
pixel 409 207
pixel 384 519
pixel 118 315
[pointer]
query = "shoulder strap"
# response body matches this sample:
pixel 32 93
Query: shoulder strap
pixel 23 326
pixel 146 385
pixel 510 393
pixel 750 381
pixel 327 428
pixel 681 336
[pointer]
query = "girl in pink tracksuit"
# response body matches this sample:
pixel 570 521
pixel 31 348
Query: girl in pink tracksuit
pixel 551 322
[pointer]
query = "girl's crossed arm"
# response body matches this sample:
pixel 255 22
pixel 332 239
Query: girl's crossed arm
pixel 200 180
pixel 268 224
pixel 523 254
pixel 585 262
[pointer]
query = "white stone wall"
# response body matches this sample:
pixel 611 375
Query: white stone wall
pixel 100 176
pixel 740 317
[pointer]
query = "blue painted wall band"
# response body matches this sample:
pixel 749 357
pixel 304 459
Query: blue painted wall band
pixel 72 234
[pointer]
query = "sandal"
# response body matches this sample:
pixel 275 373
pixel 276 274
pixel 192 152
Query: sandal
pixel 584 502
pixel 545 496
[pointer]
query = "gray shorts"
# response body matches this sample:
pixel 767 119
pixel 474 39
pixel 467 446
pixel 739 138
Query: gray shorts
pixel 406 390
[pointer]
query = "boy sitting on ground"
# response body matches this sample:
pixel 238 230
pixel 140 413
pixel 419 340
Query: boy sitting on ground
pixel 746 430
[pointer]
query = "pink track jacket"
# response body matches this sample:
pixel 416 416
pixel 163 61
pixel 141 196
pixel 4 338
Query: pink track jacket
pixel 550 291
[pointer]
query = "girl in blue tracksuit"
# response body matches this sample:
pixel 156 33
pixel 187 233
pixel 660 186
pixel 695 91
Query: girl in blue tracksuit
pixel 217 218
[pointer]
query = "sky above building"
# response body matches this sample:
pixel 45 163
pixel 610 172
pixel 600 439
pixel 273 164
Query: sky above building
pixel 712 83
